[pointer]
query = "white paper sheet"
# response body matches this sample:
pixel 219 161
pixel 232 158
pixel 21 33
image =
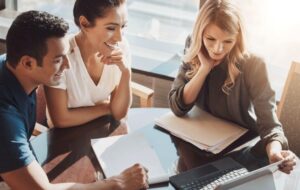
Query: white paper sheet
pixel 117 153
pixel 290 181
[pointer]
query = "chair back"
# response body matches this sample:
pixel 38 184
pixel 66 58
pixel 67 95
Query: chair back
pixel 289 108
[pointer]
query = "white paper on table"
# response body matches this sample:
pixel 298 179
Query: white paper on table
pixel 117 153
pixel 292 181
pixel 285 181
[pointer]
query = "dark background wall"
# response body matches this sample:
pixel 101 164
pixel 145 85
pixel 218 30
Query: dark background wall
pixel 2 4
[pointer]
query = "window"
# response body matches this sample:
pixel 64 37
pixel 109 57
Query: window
pixel 157 30
pixel 272 32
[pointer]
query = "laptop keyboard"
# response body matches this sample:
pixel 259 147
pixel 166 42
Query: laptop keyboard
pixel 212 183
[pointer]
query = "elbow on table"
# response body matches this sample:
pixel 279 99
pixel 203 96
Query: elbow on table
pixel 178 113
pixel 176 110
pixel 118 115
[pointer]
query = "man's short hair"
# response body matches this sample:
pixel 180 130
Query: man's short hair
pixel 29 33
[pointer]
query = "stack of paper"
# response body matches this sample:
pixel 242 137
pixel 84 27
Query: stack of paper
pixel 202 129
pixel 117 153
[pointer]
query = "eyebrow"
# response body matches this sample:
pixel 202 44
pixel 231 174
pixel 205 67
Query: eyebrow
pixel 209 36
pixel 116 24
pixel 58 56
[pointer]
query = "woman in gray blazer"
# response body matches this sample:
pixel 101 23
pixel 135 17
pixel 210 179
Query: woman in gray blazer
pixel 219 76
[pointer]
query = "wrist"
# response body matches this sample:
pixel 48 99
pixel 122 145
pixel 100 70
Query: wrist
pixel 114 183
pixel 273 147
pixel 203 70
pixel 126 75
pixel 110 184
pixel 126 71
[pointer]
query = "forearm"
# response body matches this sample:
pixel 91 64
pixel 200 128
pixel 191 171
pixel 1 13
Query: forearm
pixel 44 184
pixel 77 116
pixel 72 186
pixel 33 176
pixel 193 87
pixel 99 185
pixel 122 97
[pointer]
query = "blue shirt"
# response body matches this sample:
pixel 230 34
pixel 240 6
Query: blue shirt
pixel 17 120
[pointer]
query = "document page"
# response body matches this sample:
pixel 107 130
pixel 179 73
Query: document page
pixel 117 153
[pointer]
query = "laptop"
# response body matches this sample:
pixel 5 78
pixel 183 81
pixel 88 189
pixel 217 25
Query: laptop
pixel 225 174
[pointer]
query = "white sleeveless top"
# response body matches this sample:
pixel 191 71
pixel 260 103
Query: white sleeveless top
pixel 81 89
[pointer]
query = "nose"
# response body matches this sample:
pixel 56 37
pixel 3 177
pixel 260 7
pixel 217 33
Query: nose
pixel 218 47
pixel 118 35
pixel 66 63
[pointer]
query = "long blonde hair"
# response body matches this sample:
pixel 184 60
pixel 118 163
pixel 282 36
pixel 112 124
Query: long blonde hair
pixel 225 15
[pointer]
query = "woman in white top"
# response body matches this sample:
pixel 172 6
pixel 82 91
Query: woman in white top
pixel 98 80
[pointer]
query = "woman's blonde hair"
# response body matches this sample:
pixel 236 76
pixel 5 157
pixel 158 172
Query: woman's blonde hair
pixel 225 15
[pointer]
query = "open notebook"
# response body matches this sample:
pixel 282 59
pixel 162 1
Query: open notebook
pixel 117 153
pixel 202 129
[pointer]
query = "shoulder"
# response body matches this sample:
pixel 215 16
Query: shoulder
pixel 72 41
pixel 188 42
pixel 10 117
pixel 254 72
pixel 74 57
pixel 252 62
pixel 73 46
pixel 252 65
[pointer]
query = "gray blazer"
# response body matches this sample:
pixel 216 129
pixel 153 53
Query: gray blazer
pixel 250 103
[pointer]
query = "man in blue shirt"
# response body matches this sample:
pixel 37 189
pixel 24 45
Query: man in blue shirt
pixel 36 54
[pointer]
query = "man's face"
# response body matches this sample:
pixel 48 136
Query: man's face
pixel 54 62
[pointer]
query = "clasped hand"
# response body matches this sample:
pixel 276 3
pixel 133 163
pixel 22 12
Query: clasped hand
pixel 206 62
pixel 116 57
pixel 289 158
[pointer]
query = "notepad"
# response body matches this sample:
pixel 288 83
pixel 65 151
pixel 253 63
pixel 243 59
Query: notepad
pixel 117 153
pixel 202 129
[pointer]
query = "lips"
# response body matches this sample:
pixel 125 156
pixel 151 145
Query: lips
pixel 217 54
pixel 111 46
pixel 58 74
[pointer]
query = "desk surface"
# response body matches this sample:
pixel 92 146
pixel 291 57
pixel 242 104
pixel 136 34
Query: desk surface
pixel 66 154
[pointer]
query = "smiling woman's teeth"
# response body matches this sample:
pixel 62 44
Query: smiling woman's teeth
pixel 112 46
